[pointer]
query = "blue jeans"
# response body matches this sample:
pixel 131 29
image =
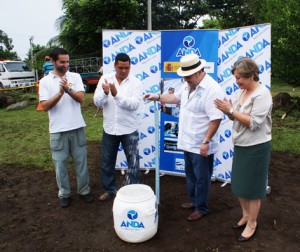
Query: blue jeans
pixel 110 146
pixel 63 145
pixel 198 170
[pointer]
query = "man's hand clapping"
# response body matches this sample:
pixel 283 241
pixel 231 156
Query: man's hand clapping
pixel 106 87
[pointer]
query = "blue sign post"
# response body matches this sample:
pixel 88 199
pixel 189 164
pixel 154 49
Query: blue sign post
pixel 204 43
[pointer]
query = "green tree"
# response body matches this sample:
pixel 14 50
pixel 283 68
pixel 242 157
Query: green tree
pixel 6 47
pixel 84 21
pixel 234 13
pixel 81 26
pixel 211 24
pixel 177 14
pixel 284 17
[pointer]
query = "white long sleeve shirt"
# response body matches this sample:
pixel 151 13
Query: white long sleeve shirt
pixel 120 113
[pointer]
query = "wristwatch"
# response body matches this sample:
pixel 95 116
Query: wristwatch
pixel 69 91
pixel 205 141
pixel 231 111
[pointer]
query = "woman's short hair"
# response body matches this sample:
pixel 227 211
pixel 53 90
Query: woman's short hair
pixel 247 68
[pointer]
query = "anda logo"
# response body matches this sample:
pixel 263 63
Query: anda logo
pixel 132 223
pixel 231 50
pixel 188 42
pixel 257 48
pixel 115 38
pixel 228 35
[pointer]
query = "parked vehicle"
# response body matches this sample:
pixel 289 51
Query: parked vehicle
pixel 90 81
pixel 88 68
pixel 15 74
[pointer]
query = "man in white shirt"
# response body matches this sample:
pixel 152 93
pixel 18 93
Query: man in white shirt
pixel 120 94
pixel 61 94
pixel 199 120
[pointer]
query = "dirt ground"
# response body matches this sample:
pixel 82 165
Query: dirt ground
pixel 32 220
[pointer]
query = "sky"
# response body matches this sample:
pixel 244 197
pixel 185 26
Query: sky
pixel 22 19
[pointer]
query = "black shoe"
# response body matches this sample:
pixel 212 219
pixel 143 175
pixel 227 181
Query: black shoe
pixel 88 198
pixel 236 226
pixel 243 239
pixel 64 202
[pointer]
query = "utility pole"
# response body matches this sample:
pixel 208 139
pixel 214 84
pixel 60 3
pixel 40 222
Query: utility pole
pixel 31 55
pixel 31 49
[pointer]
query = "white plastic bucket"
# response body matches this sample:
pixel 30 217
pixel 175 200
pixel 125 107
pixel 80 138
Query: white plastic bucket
pixel 135 213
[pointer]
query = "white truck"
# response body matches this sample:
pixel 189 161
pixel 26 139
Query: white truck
pixel 15 74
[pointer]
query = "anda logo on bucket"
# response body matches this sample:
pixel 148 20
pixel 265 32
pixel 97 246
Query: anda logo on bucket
pixel 132 215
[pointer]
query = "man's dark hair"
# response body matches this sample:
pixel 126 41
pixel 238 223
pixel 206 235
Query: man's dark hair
pixel 122 57
pixel 56 52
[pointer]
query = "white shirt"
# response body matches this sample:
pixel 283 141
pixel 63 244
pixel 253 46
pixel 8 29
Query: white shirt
pixel 196 112
pixel 66 114
pixel 120 113
pixel 259 107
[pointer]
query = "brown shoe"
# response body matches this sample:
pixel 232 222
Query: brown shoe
pixel 105 196
pixel 195 216
pixel 187 205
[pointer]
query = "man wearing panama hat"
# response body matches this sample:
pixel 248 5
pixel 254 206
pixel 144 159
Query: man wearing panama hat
pixel 199 120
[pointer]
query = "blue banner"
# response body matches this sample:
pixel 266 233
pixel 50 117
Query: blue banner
pixel 175 44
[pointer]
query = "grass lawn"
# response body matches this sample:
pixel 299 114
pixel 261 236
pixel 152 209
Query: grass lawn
pixel 25 134
pixel 286 133
pixel 277 86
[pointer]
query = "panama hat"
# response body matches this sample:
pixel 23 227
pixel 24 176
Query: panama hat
pixel 190 64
